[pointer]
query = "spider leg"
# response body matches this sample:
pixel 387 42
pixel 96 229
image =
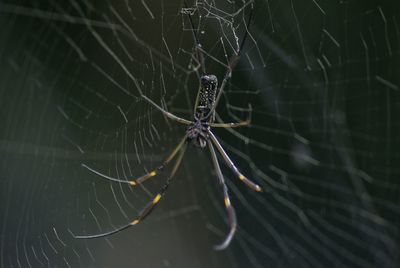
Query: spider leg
pixel 229 162
pixel 230 125
pixel 149 207
pixel 231 65
pixel 167 114
pixel 146 176
pixel 233 125
pixel 229 208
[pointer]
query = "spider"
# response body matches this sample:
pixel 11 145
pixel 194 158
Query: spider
pixel 198 133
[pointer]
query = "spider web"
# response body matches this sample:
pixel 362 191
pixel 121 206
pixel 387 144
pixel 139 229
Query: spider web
pixel 318 79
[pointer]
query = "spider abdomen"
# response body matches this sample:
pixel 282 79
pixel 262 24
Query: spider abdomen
pixel 207 93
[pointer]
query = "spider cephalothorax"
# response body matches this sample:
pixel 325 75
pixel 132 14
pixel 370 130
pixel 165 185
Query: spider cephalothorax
pixel 197 133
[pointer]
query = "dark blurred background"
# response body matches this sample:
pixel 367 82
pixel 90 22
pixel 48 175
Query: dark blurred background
pixel 323 82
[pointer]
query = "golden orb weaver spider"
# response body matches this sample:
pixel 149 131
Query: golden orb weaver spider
pixel 199 133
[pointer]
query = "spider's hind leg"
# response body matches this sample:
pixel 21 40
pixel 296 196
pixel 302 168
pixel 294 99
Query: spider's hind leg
pixel 232 221
pixel 150 205
pixel 158 169
pixel 146 176
pixel 229 162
